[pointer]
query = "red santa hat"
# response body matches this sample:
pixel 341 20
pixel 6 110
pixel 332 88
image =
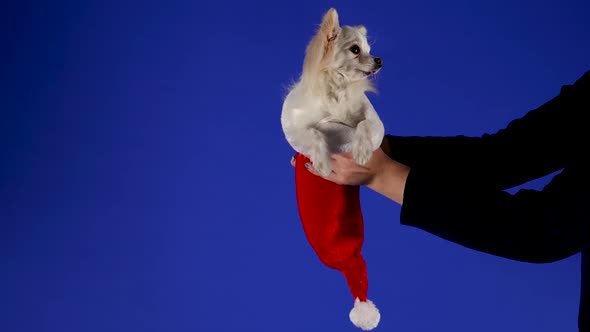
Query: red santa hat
pixel 333 224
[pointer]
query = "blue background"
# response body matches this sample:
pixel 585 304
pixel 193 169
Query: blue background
pixel 145 182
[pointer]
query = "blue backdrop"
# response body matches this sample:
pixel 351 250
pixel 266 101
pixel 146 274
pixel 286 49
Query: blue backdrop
pixel 145 182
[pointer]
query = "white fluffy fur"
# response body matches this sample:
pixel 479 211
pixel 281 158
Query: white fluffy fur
pixel 327 110
pixel 365 315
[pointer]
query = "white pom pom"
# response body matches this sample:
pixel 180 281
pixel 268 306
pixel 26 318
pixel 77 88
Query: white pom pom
pixel 365 315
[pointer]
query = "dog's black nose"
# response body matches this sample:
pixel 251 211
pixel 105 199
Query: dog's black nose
pixel 378 62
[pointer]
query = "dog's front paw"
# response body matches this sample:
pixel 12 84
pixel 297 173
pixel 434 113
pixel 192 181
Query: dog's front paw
pixel 362 151
pixel 362 147
pixel 322 166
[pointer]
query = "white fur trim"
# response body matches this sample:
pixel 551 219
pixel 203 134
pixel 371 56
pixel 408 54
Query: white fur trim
pixel 365 315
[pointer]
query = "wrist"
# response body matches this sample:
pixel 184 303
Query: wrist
pixel 390 180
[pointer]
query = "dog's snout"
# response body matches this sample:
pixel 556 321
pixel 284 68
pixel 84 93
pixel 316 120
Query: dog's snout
pixel 378 62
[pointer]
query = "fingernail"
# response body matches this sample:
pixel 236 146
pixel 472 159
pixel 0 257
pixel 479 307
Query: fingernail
pixel 292 159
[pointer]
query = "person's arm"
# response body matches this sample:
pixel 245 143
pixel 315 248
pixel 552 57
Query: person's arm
pixel 389 176
pixel 454 187
pixel 539 143
pixel 531 226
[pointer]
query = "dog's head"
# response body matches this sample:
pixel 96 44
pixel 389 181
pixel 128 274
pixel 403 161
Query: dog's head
pixel 352 54
pixel 344 50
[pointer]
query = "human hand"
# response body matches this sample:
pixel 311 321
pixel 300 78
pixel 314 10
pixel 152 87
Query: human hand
pixel 380 173
pixel 345 170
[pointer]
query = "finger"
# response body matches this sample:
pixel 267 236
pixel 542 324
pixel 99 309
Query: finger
pixel 293 161
pixel 331 177
pixel 312 170
pixel 344 161
pixel 347 155
pixel 343 155
pixel 341 158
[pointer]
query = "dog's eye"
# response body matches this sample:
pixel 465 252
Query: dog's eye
pixel 355 49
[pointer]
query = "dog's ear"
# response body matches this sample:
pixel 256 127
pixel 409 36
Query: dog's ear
pixel 320 50
pixel 361 29
pixel 330 26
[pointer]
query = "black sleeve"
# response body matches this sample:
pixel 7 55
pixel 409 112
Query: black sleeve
pixel 539 143
pixel 454 188
pixel 531 226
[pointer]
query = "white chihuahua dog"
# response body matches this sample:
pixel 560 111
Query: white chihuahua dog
pixel 327 110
